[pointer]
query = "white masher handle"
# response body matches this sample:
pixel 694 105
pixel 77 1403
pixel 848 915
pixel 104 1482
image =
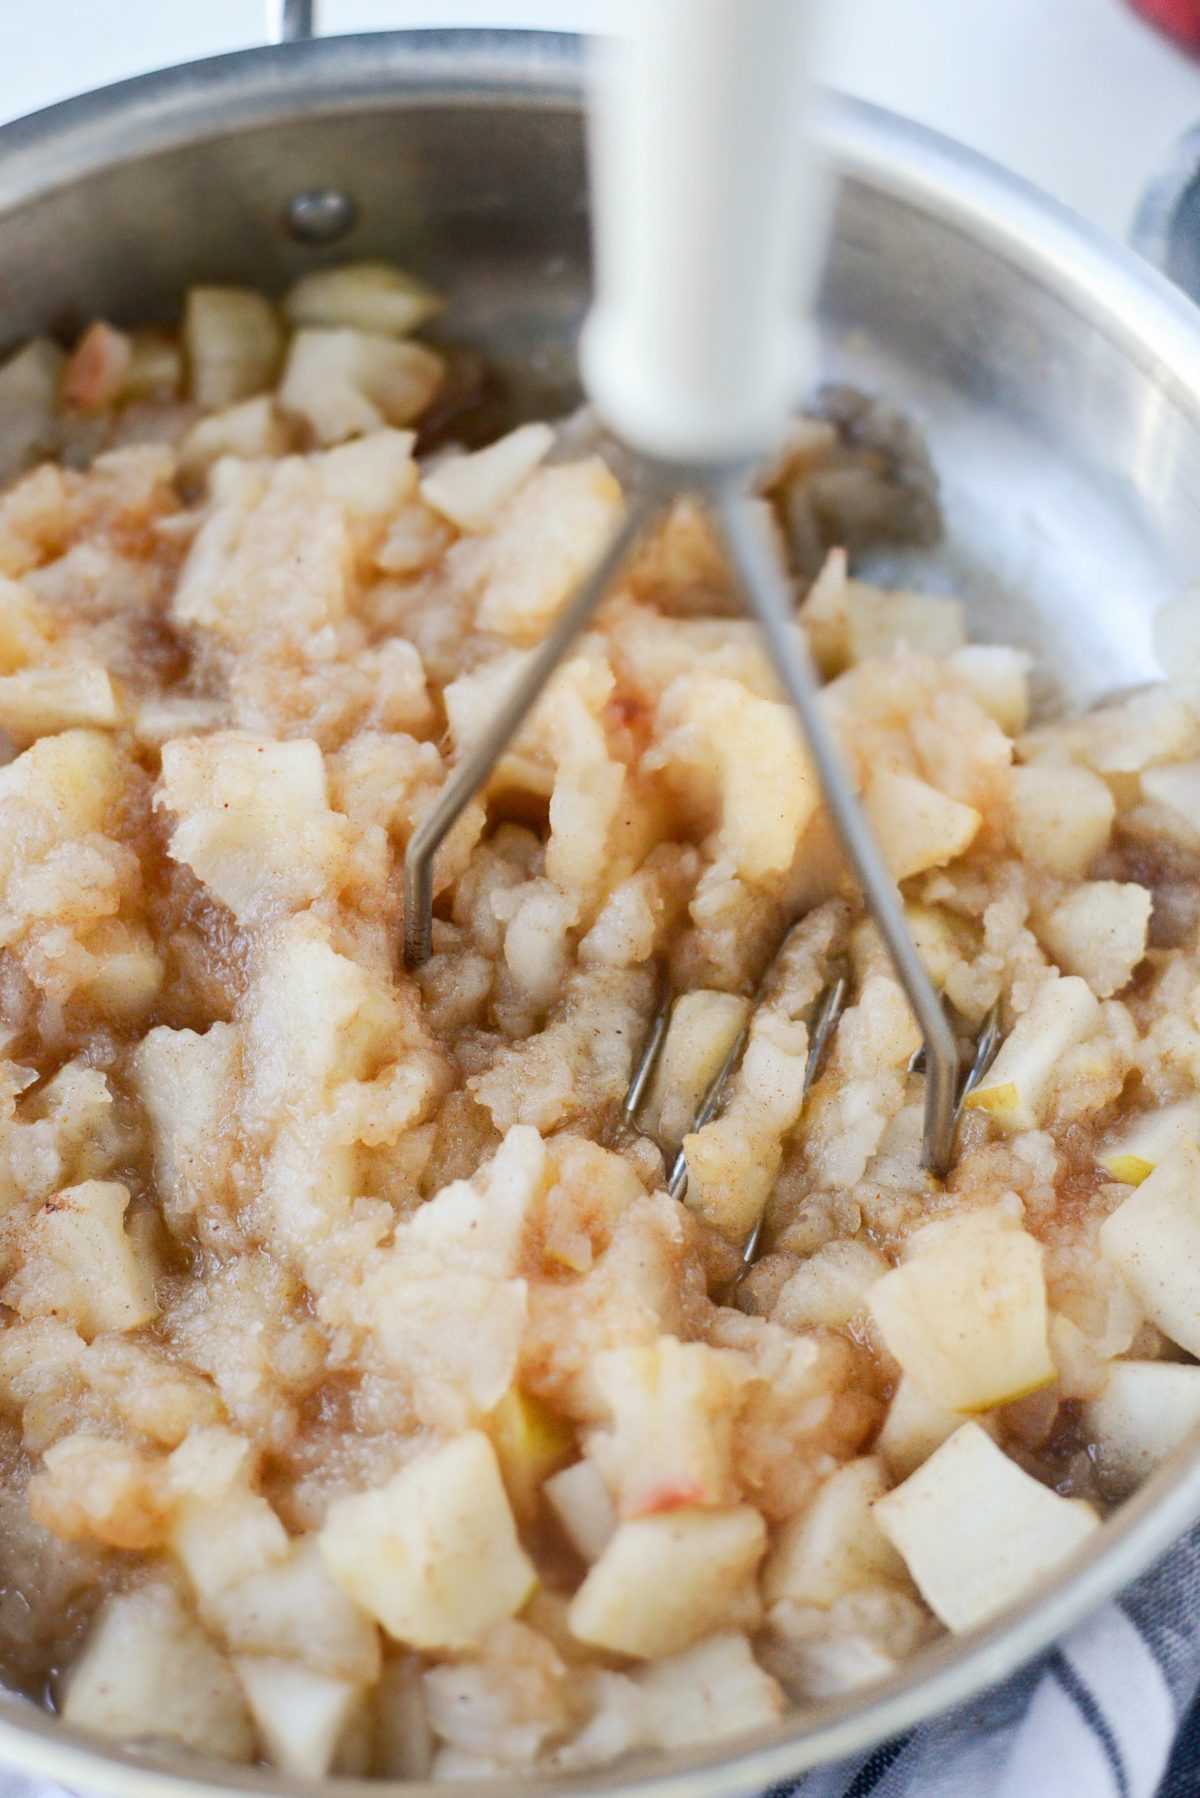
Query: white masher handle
pixel 704 210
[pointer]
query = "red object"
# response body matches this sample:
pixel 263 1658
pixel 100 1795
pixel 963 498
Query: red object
pixel 1180 18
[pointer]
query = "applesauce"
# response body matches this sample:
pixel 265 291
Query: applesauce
pixel 366 1402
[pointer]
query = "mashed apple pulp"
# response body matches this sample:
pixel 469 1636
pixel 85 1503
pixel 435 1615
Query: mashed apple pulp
pixel 367 1404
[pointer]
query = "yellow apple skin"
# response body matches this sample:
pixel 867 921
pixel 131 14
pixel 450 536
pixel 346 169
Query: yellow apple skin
pixel 1133 1154
pixel 531 1443
pixel 1016 1091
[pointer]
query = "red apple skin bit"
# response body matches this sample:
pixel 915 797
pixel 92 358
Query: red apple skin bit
pixel 94 376
pixel 669 1498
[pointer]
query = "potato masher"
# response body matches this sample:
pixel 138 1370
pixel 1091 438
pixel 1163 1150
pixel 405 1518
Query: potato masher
pixel 693 355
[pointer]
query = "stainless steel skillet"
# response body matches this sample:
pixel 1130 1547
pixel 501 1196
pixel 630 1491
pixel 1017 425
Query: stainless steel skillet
pixel 1057 377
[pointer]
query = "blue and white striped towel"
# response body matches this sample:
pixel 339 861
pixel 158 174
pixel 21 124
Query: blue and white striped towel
pixel 1103 1715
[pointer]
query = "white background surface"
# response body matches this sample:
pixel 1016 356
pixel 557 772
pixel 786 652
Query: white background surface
pixel 1079 95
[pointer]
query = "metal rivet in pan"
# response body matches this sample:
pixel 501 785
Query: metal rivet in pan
pixel 322 215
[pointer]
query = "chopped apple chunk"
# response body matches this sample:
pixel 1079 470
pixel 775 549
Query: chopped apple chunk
pixel 27 627
pixel 289 1609
pixel 544 541
pixel 531 1443
pixel 233 344
pixel 1146 1410
pixel 743 758
pixel 30 426
pixel 35 702
pixel 148 1672
pixel 880 621
pixel 186 1084
pixel 125 973
pixel 831 1287
pixel 248 429
pixel 1150 727
pixel 916 826
pixel 433 1554
pixel 1099 931
pixel 1017 1089
pixel 942 940
pixel 703 1028
pixel 301 1716
pixel 272 557
pixel 998 680
pixel 673 1406
pixel 976 1531
pixel 664 1582
pixel 470 490
pixel 965 1313
pixel 1154 1238
pixel 709 1692
pixel 223 1532
pixel 80 1263
pixel 345 383
pixel 155 370
pixel 914 1426
pixel 75 777
pixel 363 296
pixel 254 822
pixel 1133 1153
pixel 835 1545
pixel 824 617
pixel 1061 817
pixel 583 1505
pixel 1176 789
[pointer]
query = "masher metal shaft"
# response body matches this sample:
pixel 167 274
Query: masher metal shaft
pixel 705 235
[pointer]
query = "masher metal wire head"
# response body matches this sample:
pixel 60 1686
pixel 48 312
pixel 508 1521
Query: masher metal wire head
pixel 705 229
pixel 826 1012
pixel 764 586
pixel 823 1018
